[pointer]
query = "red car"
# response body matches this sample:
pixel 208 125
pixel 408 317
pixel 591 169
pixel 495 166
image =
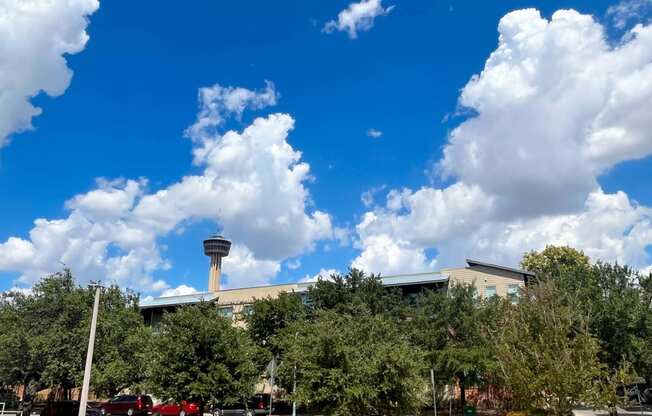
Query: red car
pixel 128 404
pixel 170 408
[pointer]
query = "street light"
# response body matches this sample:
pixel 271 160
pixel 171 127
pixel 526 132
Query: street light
pixel 83 399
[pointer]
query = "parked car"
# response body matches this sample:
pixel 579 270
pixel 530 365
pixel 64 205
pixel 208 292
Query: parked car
pixel 260 404
pixel 234 410
pixel 639 392
pixel 256 405
pixel 66 408
pixel 170 408
pixel 635 392
pixel 128 404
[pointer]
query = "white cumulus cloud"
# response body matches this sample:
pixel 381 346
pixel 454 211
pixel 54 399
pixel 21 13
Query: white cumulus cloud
pixel 556 106
pixel 217 103
pixel 251 183
pixel 375 134
pixel 324 274
pixel 244 269
pixel 358 17
pixel 628 11
pixel 179 290
pixel 35 36
pixel 387 255
pixel 95 245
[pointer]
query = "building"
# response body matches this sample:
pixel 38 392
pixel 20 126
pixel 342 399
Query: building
pixel 489 280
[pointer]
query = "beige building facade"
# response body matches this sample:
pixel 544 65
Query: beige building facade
pixel 488 279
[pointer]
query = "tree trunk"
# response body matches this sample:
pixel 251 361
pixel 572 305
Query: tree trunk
pixel 25 410
pixel 462 392
pixel 24 394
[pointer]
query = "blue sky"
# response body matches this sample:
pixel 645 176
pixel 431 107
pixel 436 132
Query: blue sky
pixel 134 93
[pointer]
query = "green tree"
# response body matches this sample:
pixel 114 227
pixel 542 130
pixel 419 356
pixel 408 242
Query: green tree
pixel 54 316
pixel 46 337
pixel 614 297
pixel 198 355
pixel 452 329
pixel 644 325
pixel 546 355
pixel 556 260
pixel 18 364
pixel 122 343
pixel 268 316
pixel 356 288
pixel 621 318
pixel 352 365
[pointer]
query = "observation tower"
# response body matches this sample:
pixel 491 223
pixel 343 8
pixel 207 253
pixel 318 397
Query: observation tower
pixel 216 247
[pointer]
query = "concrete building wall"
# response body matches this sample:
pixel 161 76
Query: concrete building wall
pixel 233 302
pixel 248 295
pixel 485 278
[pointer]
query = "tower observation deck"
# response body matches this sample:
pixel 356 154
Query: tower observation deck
pixel 216 247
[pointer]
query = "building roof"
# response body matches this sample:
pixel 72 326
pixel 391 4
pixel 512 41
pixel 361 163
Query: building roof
pixel 299 287
pixel 413 279
pixel 177 300
pixel 390 281
pixel 472 263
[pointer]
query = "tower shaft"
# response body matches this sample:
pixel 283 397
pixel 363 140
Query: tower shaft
pixel 214 273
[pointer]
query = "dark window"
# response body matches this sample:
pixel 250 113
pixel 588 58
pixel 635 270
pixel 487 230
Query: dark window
pixel 490 291
pixel 126 398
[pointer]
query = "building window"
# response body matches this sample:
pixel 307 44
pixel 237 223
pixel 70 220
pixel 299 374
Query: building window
pixel 247 310
pixel 226 312
pixel 489 291
pixel 413 298
pixel 512 293
pixel 305 299
pixel 475 292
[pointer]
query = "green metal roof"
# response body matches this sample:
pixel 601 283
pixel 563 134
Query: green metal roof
pixel 177 300
pixel 413 279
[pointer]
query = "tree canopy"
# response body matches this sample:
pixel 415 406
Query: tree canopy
pixel 452 329
pixel 355 346
pixel 268 316
pixel 198 355
pixel 352 290
pixel 546 355
pixel 122 344
pixel 614 298
pixel 45 337
pixel 352 365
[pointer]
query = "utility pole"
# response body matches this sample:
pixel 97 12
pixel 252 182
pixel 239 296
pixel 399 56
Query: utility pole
pixel 294 390
pixel 434 395
pixel 83 399
pixel 294 382
pixel 271 367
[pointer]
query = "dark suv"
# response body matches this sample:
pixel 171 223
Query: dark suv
pixel 128 404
